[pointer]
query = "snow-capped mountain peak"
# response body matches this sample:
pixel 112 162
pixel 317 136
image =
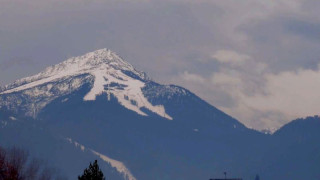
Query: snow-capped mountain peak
pixel 108 73
pixel 92 61
pixel 79 65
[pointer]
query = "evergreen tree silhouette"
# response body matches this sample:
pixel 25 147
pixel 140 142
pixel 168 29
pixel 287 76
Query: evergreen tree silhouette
pixel 92 173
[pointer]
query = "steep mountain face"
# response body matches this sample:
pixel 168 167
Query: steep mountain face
pixel 99 106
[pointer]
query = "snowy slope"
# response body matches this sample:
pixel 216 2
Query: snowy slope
pixel 119 166
pixel 105 70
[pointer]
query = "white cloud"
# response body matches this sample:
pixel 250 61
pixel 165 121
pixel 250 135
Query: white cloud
pixel 194 78
pixel 289 95
pixel 259 98
pixel 224 79
pixel 295 94
pixel 230 57
pixel 274 99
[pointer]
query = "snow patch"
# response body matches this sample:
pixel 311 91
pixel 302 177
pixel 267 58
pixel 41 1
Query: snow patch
pixel 65 100
pixel 12 118
pixel 76 144
pixel 116 164
pixel 97 88
pixel 120 167
pixel 126 89
pixel 33 84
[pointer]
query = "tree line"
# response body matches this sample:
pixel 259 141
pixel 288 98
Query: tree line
pixel 17 164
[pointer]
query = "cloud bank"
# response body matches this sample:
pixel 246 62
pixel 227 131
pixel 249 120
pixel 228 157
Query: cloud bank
pixel 259 98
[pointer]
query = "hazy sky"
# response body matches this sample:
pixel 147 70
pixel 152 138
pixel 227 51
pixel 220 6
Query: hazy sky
pixel 257 60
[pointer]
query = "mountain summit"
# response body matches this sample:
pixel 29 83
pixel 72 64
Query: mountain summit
pixel 107 72
pixel 88 63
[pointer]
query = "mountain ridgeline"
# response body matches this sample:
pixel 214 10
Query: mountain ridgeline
pixel 97 106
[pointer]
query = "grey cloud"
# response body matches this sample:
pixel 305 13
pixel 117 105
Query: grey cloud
pixel 258 97
pixel 284 43
pixel 305 29
pixel 146 34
